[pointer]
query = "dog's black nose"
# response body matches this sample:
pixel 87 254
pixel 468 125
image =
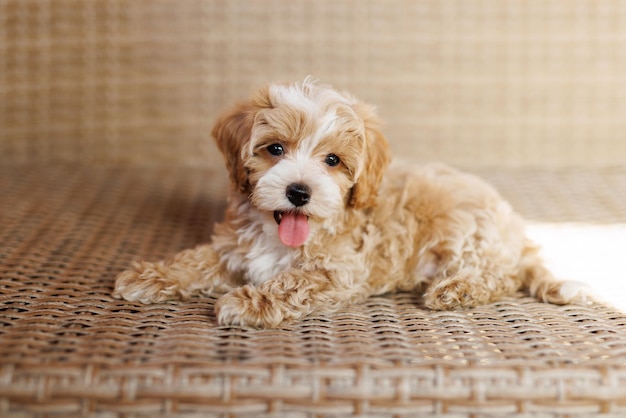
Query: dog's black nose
pixel 298 194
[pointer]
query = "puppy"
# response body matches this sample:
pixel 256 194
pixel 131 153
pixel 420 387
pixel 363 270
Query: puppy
pixel 318 219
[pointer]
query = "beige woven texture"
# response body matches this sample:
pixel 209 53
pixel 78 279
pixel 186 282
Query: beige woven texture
pixel 105 109
pixel 68 349
pixel 473 83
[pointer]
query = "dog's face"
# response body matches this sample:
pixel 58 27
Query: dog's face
pixel 303 152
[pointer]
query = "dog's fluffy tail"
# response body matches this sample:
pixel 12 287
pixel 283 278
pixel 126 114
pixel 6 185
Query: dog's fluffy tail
pixel 539 281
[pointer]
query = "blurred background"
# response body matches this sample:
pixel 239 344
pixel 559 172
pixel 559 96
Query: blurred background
pixel 475 83
pixel 531 94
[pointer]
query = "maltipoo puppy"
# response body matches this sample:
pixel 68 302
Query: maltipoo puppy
pixel 318 219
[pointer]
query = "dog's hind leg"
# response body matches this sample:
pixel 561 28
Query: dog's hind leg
pixel 480 277
pixel 470 286
pixel 190 272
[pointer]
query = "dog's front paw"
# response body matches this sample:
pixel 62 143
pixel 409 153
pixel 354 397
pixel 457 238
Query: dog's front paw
pixel 247 306
pixel 147 283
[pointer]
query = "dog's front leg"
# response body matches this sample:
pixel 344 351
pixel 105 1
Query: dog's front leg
pixel 189 273
pixel 290 295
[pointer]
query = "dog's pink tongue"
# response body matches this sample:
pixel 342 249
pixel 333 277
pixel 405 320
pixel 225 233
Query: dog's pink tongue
pixel 293 229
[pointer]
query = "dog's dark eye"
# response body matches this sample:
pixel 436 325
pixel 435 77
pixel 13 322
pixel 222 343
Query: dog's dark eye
pixel 276 150
pixel 332 160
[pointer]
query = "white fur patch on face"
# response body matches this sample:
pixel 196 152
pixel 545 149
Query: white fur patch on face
pixel 307 97
pixel 270 191
pixel 292 96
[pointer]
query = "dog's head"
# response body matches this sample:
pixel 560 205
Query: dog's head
pixel 301 152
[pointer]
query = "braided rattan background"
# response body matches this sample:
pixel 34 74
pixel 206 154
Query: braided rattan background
pixel 474 83
pixel 68 349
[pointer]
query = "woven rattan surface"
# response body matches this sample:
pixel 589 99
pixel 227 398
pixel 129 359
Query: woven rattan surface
pixel 471 82
pixel 68 349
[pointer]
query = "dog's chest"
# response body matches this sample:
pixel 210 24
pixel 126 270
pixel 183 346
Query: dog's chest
pixel 266 255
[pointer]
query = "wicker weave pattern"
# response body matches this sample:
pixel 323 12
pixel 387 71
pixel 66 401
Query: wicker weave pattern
pixel 473 83
pixel 68 349
pixel 338 390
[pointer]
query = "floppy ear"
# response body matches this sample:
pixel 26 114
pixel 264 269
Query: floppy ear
pixel 231 133
pixel 376 160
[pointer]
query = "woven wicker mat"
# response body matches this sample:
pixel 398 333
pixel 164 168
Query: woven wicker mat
pixel 68 349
